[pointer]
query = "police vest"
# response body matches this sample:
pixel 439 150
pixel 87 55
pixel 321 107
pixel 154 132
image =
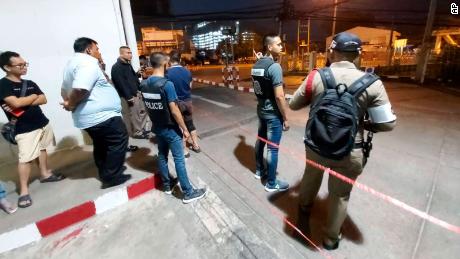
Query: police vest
pixel 156 102
pixel 262 84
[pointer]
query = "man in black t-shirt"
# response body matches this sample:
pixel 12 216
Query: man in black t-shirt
pixel 33 132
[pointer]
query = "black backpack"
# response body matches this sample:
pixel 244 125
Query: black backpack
pixel 333 122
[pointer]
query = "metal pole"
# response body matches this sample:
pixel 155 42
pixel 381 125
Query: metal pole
pixel 233 53
pixel 308 37
pixel 226 52
pixel 280 29
pixel 424 53
pixel 174 35
pixel 298 37
pixel 390 44
pixel 335 17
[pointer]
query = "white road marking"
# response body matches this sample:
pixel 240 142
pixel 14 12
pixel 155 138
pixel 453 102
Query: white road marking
pixel 223 105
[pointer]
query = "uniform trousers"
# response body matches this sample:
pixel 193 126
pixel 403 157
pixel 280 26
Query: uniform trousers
pixel 350 166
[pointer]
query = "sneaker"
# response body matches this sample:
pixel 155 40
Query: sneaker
pixel 7 206
pixel 278 186
pixel 141 135
pixel 132 148
pixel 168 188
pixel 195 194
pixel 150 135
pixel 259 175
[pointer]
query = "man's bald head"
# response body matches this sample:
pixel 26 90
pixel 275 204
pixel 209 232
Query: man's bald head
pixel 125 53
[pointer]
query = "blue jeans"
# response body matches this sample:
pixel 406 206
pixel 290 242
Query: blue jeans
pixel 2 191
pixel 271 130
pixel 171 139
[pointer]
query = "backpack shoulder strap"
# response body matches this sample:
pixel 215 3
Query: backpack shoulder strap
pixel 360 85
pixel 158 83
pixel 23 88
pixel 328 78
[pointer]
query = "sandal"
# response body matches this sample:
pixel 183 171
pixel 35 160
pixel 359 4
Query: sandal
pixel 196 149
pixel 53 178
pixel 24 201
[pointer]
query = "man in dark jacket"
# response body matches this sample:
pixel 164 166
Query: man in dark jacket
pixel 126 81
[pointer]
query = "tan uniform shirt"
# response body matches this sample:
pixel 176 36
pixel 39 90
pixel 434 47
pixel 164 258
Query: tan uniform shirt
pixel 345 72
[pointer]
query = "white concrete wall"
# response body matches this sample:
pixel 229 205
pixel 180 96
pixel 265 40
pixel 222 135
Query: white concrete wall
pixel 43 32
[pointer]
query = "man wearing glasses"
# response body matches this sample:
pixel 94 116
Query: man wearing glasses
pixel 20 100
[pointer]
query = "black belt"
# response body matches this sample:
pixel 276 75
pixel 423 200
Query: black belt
pixel 358 145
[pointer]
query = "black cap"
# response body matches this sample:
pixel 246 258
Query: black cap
pixel 346 42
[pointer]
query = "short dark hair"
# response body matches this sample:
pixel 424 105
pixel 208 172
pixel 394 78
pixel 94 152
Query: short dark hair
pixel 174 56
pixel 157 59
pixel 142 57
pixel 124 47
pixel 348 56
pixel 5 58
pixel 81 44
pixel 268 39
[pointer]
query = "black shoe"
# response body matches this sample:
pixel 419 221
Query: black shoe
pixel 120 180
pixel 261 174
pixel 194 195
pixel 132 148
pixel 331 246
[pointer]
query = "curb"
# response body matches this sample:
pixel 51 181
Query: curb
pixel 234 87
pixel 398 78
pixel 45 227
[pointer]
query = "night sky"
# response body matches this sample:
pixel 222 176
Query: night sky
pixel 405 16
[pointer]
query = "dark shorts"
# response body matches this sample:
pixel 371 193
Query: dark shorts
pixel 186 109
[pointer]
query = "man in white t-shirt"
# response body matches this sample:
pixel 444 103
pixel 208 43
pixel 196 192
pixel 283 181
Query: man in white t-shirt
pixel 96 108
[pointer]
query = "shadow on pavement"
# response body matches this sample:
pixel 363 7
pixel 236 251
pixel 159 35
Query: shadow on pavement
pixel 72 160
pixel 142 161
pixel 311 226
pixel 68 159
pixel 246 155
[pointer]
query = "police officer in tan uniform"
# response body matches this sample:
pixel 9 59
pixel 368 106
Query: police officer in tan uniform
pixel 344 49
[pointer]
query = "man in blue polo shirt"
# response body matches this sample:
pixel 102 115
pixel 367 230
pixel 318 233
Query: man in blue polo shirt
pixel 182 79
pixel 161 102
